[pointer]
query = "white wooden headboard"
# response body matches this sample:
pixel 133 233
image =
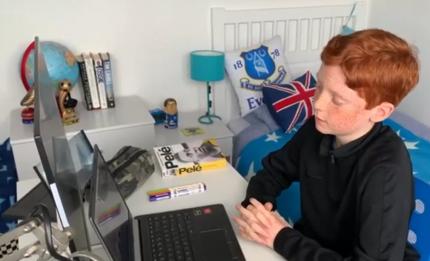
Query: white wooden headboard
pixel 304 32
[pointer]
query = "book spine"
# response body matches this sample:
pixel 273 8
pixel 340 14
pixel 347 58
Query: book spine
pixel 107 67
pixel 160 155
pixel 92 81
pixel 98 68
pixel 85 84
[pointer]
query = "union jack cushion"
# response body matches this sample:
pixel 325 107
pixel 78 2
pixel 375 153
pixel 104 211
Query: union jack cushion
pixel 291 103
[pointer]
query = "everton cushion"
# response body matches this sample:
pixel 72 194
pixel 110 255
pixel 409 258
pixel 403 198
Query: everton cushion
pixel 291 103
pixel 249 68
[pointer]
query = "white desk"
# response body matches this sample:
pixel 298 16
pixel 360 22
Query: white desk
pixel 224 186
pixel 218 130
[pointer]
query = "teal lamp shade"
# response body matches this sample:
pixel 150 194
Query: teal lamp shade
pixel 207 65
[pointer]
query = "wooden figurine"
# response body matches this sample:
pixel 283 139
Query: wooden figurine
pixel 171 110
pixel 66 103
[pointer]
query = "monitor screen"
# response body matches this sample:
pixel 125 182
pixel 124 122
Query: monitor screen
pixel 47 120
pixel 109 213
pixel 82 156
pixel 55 154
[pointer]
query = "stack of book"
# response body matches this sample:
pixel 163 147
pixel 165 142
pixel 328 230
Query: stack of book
pixel 189 157
pixel 96 76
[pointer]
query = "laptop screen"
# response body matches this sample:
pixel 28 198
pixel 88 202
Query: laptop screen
pixel 109 213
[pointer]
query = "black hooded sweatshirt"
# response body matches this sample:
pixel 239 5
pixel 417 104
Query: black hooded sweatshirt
pixel 356 200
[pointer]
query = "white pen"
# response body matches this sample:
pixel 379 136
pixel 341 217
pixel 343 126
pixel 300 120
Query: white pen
pixel 173 192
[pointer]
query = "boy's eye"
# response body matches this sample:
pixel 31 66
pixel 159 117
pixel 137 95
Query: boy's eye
pixel 338 101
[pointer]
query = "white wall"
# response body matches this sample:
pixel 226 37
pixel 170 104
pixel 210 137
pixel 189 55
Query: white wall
pixel 409 19
pixel 149 39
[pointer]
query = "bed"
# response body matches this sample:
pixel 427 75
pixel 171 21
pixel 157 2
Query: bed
pixel 303 31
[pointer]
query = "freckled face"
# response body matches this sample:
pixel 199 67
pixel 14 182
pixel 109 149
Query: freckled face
pixel 339 110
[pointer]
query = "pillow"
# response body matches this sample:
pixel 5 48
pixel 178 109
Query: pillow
pixel 419 151
pixel 291 103
pixel 8 179
pixel 249 68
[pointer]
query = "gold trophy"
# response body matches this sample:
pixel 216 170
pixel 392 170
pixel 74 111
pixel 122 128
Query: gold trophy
pixel 27 114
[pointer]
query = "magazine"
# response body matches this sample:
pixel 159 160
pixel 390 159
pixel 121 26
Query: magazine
pixel 189 157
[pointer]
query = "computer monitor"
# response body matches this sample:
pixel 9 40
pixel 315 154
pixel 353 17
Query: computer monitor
pixel 82 156
pixel 109 212
pixel 47 120
pixel 56 155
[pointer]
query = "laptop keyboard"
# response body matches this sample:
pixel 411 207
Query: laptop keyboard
pixel 169 235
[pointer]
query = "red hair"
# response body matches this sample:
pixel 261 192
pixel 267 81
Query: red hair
pixel 377 64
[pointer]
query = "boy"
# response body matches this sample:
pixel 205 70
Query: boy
pixel 355 174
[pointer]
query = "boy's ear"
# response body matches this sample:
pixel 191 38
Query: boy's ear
pixel 382 111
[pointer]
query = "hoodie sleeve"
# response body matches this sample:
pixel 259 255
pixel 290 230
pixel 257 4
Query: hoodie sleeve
pixel 280 169
pixel 384 209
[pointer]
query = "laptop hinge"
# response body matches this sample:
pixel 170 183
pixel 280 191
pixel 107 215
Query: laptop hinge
pixel 136 240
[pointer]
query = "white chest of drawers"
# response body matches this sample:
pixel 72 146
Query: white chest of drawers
pixel 129 123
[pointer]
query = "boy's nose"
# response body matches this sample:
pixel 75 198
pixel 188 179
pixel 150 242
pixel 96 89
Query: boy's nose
pixel 319 102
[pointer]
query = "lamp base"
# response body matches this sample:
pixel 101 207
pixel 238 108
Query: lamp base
pixel 208 118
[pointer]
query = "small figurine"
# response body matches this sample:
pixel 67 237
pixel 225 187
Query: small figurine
pixel 171 109
pixel 27 114
pixel 66 103
pixel 159 115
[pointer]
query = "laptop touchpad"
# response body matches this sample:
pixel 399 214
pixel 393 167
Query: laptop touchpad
pixel 214 245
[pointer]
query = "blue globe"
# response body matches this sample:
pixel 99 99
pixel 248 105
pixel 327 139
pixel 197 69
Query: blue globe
pixel 60 62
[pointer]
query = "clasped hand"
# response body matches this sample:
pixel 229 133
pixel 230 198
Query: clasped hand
pixel 257 222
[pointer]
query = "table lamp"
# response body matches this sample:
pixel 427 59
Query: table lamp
pixel 207 66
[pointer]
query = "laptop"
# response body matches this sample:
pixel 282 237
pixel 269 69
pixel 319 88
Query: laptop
pixel 198 233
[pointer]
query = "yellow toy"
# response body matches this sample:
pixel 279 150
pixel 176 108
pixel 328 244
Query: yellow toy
pixel 66 103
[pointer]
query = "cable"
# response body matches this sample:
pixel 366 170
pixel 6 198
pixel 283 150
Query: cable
pixel 351 13
pixel 87 255
pixel 41 211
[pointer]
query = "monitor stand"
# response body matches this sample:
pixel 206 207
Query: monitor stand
pixel 24 207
